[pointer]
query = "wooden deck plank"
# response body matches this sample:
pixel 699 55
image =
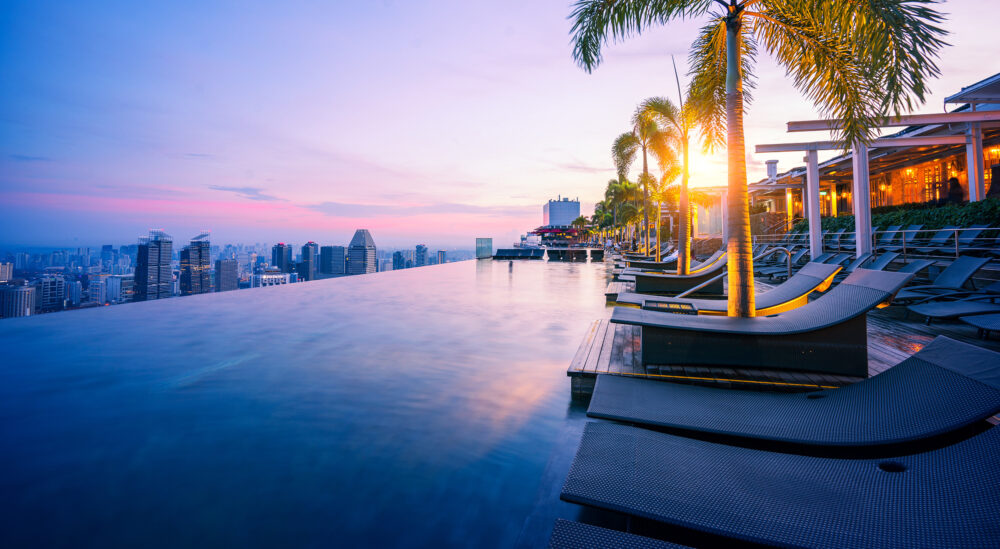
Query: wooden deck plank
pixel 580 359
pixel 595 353
pixel 604 358
pixel 615 364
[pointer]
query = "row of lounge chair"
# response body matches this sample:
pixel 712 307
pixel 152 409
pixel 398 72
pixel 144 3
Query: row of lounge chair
pixel 948 240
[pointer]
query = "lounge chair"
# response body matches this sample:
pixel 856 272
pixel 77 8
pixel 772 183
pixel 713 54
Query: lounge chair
pixel 951 279
pixel 575 535
pixel 916 266
pixel 958 304
pixel 668 261
pixel 848 242
pixel 944 387
pixel 782 266
pixel 967 238
pixel 827 335
pixel 945 497
pixel 673 283
pixel 813 277
pixel 882 261
pixel 834 239
pixel 888 236
pixel 840 259
pixel 984 323
pixel 937 242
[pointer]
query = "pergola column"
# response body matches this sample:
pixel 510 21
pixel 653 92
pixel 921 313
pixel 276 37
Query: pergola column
pixel 862 200
pixel 974 161
pixel 812 204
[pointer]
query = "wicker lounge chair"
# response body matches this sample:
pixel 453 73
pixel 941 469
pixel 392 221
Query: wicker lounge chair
pixel 958 304
pixel 936 243
pixel 827 335
pixel 950 280
pixel 945 497
pixel 792 293
pixel 674 284
pixel 867 413
pixel 575 535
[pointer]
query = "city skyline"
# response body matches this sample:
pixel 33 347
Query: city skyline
pixel 110 126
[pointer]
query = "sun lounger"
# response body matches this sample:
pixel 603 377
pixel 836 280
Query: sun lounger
pixel 791 294
pixel 957 304
pixel 945 497
pixel 916 266
pixel 944 387
pixel 936 243
pixel 575 535
pixel 882 261
pixel 951 279
pixel 782 266
pixel 673 283
pixel 888 236
pixel 833 239
pixel 983 323
pixel 827 335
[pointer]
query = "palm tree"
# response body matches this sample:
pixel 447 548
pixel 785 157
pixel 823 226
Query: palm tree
pixel 663 192
pixel 647 137
pixel 858 60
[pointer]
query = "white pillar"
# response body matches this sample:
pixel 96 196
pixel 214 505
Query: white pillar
pixel 974 161
pixel 812 205
pixel 862 200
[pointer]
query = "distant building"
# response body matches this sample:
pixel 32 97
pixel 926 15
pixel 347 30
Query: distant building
pixel 119 288
pixel 97 289
pixel 441 257
pixel 227 275
pixel 309 266
pixel 153 276
pixel 17 300
pixel 74 293
pixel 269 278
pixel 6 272
pixel 484 248
pixel 196 267
pixel 281 257
pixel 361 253
pixel 420 258
pixel 51 293
pixel 560 212
pixel 333 260
pixel 398 262
pixel 409 263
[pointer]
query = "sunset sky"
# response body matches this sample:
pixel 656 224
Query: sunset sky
pixel 423 121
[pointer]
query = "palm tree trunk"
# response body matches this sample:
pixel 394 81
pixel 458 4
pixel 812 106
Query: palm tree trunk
pixel 645 199
pixel 740 262
pixel 684 219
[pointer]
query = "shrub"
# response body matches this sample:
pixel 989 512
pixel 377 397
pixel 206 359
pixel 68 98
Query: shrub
pixel 931 216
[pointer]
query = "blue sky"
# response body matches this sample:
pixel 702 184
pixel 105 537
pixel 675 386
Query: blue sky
pixel 433 121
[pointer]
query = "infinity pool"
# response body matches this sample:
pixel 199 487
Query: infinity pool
pixel 426 407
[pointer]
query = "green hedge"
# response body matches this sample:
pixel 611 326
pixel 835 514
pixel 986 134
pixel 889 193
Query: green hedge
pixel 930 216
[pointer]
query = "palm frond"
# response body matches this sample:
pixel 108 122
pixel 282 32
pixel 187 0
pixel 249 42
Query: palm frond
pixel 623 153
pixel 598 22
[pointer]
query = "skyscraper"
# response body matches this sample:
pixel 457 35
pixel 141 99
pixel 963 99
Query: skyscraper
pixel 421 257
pixel 51 293
pixel 17 300
pixel 281 257
pixel 119 288
pixel 441 256
pixel 309 266
pixel 361 253
pixel 6 272
pixel 226 275
pixel 195 266
pixel 398 262
pixel 333 260
pixel 153 277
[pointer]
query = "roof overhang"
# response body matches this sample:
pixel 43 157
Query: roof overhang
pixel 984 91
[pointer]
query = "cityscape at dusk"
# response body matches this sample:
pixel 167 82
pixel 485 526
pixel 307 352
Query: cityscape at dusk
pixel 586 274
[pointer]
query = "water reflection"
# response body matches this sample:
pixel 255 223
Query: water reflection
pixel 410 408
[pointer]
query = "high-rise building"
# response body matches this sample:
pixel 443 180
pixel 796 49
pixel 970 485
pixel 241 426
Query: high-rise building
pixel 97 289
pixel 226 275
pixel 17 300
pixel 309 266
pixel 421 256
pixel 6 272
pixel 269 278
pixel 281 257
pixel 51 293
pixel 333 260
pixel 398 262
pixel 560 212
pixel 361 253
pixel 153 276
pixel 484 248
pixel 74 293
pixel 119 288
pixel 196 266
pixel 441 256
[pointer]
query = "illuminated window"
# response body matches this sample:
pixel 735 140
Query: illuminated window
pixel 933 182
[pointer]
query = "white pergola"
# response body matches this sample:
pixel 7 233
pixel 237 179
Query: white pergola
pixel 972 121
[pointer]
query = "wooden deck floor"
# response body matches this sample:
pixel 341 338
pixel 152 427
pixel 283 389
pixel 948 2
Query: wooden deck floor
pixel 615 288
pixel 614 349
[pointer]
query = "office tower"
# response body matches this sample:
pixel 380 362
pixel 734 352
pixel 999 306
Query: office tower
pixel 74 293
pixel 51 293
pixel 484 248
pixel 421 256
pixel 196 266
pixel 361 253
pixel 119 288
pixel 153 276
pixel 281 257
pixel 309 267
pixel 409 263
pixel 6 272
pixel 269 278
pixel 333 260
pixel 441 256
pixel 97 289
pixel 17 300
pixel 397 261
pixel 107 257
pixel 226 275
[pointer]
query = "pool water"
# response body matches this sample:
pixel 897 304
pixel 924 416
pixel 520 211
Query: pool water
pixel 421 408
